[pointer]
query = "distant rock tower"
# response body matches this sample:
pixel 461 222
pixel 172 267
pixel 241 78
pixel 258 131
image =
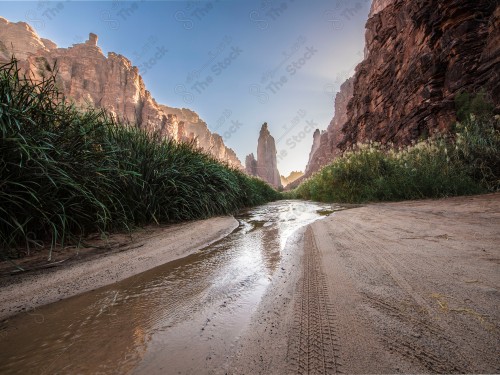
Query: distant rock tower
pixel 266 165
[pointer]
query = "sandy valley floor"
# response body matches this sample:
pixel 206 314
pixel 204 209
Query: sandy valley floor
pixel 409 287
pixel 399 287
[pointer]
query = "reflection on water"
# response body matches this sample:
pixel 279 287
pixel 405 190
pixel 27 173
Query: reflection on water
pixel 173 318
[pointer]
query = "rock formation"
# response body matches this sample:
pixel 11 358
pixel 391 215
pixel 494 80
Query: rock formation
pixel 418 56
pixel 88 77
pixel 251 165
pixel 266 165
pixel 325 144
pixel 293 176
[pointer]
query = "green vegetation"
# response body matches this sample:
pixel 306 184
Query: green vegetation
pixel 465 162
pixel 66 173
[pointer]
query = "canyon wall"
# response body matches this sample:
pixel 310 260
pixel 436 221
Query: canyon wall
pixel 325 144
pixel 418 56
pixel 88 77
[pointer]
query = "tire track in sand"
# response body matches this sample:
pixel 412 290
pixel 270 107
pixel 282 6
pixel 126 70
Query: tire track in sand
pixel 313 345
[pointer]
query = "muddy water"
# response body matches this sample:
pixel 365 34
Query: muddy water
pixel 182 317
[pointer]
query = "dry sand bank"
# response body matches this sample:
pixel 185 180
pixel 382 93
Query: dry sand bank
pixel 144 250
pixel 409 287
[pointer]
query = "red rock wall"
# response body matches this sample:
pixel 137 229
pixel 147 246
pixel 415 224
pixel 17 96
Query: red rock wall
pixel 419 55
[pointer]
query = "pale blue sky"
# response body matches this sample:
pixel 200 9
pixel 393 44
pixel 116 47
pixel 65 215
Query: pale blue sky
pixel 281 60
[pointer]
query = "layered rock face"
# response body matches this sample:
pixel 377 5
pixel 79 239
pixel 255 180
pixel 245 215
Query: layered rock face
pixel 88 77
pixel 418 56
pixel 266 165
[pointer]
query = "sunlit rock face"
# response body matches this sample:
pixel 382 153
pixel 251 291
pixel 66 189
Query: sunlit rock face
pixel 89 78
pixel 418 56
pixel 293 176
pixel 378 6
pixel 266 165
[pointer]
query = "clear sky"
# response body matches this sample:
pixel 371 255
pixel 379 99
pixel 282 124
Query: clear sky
pixel 236 63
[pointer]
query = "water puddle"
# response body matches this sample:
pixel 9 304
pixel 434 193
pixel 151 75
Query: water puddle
pixel 171 319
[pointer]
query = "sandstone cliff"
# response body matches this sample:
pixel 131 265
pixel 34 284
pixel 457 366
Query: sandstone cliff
pixel 266 165
pixel 293 176
pixel 325 144
pixel 88 77
pixel 251 165
pixel 418 56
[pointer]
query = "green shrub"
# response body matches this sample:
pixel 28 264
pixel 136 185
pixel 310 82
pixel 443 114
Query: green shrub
pixel 66 173
pixel 467 162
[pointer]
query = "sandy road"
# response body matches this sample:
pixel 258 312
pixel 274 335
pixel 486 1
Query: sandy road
pixel 411 287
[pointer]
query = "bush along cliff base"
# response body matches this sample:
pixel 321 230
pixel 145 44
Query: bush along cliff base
pixel 66 173
pixel 466 161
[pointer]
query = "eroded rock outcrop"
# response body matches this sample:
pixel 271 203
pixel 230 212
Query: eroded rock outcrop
pixel 88 77
pixel 418 56
pixel 251 165
pixel 266 165
pixel 325 144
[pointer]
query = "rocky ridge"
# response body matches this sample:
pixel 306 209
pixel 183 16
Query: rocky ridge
pixel 88 77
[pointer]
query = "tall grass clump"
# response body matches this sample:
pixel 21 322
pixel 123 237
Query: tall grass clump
pixel 467 161
pixel 66 173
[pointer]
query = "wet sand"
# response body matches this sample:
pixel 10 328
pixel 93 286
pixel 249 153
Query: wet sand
pixel 411 287
pixel 185 316
pixel 136 253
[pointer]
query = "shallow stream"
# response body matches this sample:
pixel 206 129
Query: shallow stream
pixel 171 319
